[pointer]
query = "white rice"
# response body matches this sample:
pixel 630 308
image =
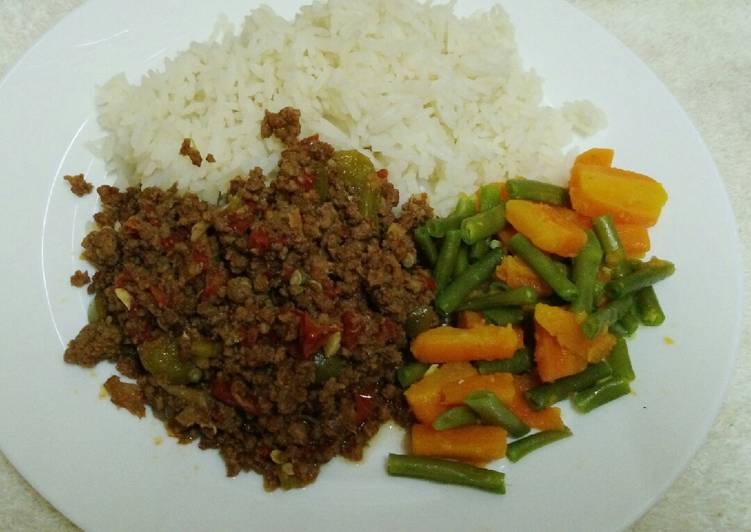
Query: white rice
pixel 442 102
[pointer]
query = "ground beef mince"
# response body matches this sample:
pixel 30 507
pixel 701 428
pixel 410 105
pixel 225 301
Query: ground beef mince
pixel 78 185
pixel 79 278
pixel 268 326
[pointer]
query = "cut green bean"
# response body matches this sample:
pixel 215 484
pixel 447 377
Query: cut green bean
pixel 478 249
pixel 483 225
pixel 518 449
pixel 459 416
pixel 444 266
pixel 548 394
pixel 446 471
pixel 462 260
pixel 426 246
pixel 653 271
pixel 599 394
pixel 490 196
pixel 620 361
pixel 544 266
pixel 419 320
pixel 519 363
pixel 492 412
pixel 453 295
pixel 438 227
pixel 524 295
pixel 648 307
pixel 605 229
pixel 504 315
pixel 527 189
pixel 630 323
pixel 586 268
pixel 598 294
pixel 605 316
pixel 411 373
pixel 618 330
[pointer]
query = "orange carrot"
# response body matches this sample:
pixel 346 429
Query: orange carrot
pixel 501 384
pixel 505 234
pixel 545 419
pixel 469 318
pixel 450 344
pixel 629 197
pixel 474 443
pixel 424 396
pixel 565 327
pixel 596 156
pixel 553 361
pixel 546 227
pixel 516 273
pixel 635 239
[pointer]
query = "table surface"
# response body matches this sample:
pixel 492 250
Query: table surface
pixel 699 49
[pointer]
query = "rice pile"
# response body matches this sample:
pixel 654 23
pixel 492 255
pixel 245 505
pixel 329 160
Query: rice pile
pixel 442 102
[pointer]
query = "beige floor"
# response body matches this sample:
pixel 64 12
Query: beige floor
pixel 700 49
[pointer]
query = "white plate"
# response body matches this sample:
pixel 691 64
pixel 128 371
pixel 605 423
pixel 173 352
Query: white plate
pixel 101 467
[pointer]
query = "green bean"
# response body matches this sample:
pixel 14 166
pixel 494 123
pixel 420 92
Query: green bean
pixel 450 297
pixel 598 294
pixel 618 330
pixel 495 244
pixel 161 356
pixel 524 295
pixel 586 268
pixel 490 196
pixel 479 248
pixel 544 266
pixel 203 348
pixel 327 367
pixel 527 189
pixel 648 307
pixel 458 416
pixel 462 260
pixel 438 227
pixel 630 323
pixel 426 246
pixel 97 310
pixel 520 448
pixel 419 320
pixel 600 394
pixel 519 363
pixel 620 270
pixel 503 315
pixel 549 394
pixel 620 362
pixel 611 242
pixel 605 316
pixel 492 412
pixel 446 471
pixel 411 373
pixel 653 271
pixel 484 224
pixel 444 266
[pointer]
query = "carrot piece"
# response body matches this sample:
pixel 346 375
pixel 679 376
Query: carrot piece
pixel 424 396
pixel 584 222
pixel 596 156
pixel 545 419
pixel 505 234
pixel 516 273
pixel 565 327
pixel 504 191
pixel 469 318
pixel 628 197
pixel 635 239
pixel 450 344
pixel 474 443
pixel 546 227
pixel 553 361
pixel 501 384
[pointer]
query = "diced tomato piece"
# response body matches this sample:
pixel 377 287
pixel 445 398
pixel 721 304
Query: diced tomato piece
pixel 363 406
pixel 259 240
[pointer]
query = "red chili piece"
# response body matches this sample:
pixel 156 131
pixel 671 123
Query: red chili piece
pixel 383 173
pixel 363 406
pixel 312 336
pixel 353 326
pixel 259 240
pixel 161 299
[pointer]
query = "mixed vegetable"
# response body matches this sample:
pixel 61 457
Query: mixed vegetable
pixel 538 288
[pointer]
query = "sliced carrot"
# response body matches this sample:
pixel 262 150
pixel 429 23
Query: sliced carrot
pixel 474 443
pixel 469 318
pixel 516 273
pixel 506 233
pixel 565 327
pixel 596 156
pixel 424 396
pixel 629 197
pixel 635 239
pixel 545 419
pixel 451 344
pixel 546 227
pixel 501 384
pixel 553 361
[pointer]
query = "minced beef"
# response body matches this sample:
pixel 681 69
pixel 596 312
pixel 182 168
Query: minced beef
pixel 80 278
pixel 78 185
pixel 268 326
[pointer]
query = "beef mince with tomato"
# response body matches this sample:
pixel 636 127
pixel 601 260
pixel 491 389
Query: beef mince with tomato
pixel 268 326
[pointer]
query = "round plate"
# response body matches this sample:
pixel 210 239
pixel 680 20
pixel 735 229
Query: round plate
pixel 105 469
